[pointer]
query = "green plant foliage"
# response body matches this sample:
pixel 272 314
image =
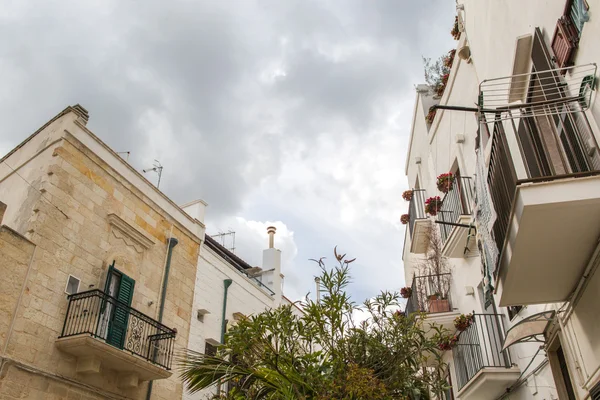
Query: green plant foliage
pixel 325 354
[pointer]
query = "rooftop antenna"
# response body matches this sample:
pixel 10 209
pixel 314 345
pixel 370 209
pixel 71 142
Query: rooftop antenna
pixel 124 152
pixel 221 236
pixel 156 168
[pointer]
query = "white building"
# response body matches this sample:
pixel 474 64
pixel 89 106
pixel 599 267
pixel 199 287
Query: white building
pixel 227 289
pixel 523 250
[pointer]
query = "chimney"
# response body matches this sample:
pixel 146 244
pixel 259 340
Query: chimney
pixel 271 267
pixel 271 231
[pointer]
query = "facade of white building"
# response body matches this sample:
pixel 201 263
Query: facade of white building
pixel 520 228
pixel 227 289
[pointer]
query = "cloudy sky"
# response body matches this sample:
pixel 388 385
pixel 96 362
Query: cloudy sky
pixel 293 112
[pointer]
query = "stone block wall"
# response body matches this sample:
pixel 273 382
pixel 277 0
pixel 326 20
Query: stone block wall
pixel 83 215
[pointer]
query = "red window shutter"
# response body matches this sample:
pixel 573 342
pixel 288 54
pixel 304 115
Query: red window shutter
pixel 564 41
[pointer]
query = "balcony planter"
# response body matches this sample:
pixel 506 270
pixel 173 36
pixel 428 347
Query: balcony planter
pixel 407 195
pixel 445 182
pixel 449 59
pixel 433 205
pixel 462 322
pixel 447 343
pixel 405 219
pixel 406 292
pixel 430 115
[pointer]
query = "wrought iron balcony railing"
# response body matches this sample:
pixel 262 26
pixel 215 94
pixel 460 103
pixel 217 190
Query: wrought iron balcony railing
pixel 430 294
pixel 480 346
pixel 105 318
pixel 416 208
pixel 456 202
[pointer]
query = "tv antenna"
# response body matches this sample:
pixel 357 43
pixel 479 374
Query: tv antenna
pixel 228 244
pixel 157 167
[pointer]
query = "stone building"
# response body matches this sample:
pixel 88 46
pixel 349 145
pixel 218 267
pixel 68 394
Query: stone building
pixel 80 221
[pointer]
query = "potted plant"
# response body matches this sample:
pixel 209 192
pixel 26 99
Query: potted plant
pixel 407 195
pixel 445 182
pixel 447 342
pixel 433 205
pixel 430 115
pixel 455 32
pixel 405 219
pixel 406 292
pixel 442 86
pixel 462 322
pixel 449 59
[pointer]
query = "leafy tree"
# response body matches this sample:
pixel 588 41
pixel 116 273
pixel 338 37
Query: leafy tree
pixel 324 354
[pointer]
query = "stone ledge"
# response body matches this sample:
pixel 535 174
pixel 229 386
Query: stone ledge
pixel 93 354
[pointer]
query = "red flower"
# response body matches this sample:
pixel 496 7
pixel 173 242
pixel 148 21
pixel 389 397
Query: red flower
pixel 405 219
pixel 433 205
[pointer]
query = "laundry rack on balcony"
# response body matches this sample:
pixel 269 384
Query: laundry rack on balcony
pixel 538 93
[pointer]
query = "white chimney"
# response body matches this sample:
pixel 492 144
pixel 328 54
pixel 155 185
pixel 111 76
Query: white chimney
pixel 271 266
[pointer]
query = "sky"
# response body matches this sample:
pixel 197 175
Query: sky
pixel 293 113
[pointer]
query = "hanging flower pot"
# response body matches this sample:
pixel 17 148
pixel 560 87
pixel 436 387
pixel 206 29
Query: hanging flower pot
pixel 405 219
pixel 430 115
pixel 455 32
pixel 462 322
pixel 445 182
pixel 433 205
pixel 407 195
pixel 447 343
pixel 406 292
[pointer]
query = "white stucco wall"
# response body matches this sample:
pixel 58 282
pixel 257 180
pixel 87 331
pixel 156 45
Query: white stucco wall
pixel 244 296
pixel 492 28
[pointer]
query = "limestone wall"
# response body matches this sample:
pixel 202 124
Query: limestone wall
pixel 83 216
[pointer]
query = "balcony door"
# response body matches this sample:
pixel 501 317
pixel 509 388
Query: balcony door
pixel 119 287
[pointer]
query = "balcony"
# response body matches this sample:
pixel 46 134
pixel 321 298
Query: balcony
pixel 419 224
pixel 482 369
pixel 544 181
pixel 431 295
pixel 103 333
pixel 455 218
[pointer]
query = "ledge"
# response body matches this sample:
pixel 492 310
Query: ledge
pixel 93 355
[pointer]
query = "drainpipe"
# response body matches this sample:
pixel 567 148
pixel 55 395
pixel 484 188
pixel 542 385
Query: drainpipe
pixel 161 307
pixel 226 284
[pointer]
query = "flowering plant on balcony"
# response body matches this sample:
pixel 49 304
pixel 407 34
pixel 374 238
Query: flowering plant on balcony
pixel 433 205
pixel 407 195
pixel 463 321
pixel 405 219
pixel 445 182
pixel 449 59
pixel 430 115
pixel 447 342
pixel 442 85
pixel 455 32
pixel 406 292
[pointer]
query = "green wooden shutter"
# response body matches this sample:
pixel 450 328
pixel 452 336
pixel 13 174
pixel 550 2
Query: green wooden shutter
pixel 117 330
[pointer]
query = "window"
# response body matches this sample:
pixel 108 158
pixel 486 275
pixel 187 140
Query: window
pixel 513 311
pixel 560 370
pixel 119 287
pixel 210 349
pixel 72 285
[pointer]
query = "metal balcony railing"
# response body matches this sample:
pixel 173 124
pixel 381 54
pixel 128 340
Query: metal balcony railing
pixel 105 318
pixel 480 346
pixel 456 202
pixel 416 208
pixel 430 294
